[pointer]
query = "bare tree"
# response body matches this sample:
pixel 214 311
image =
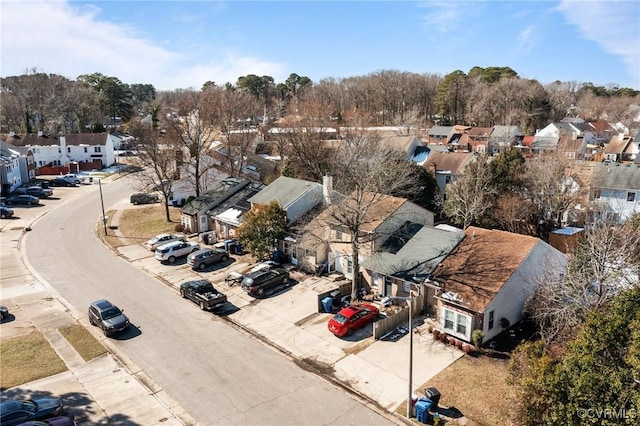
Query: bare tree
pixel 186 123
pixel 470 196
pixel 604 264
pixel 552 184
pixel 366 173
pixel 227 112
pixel 156 159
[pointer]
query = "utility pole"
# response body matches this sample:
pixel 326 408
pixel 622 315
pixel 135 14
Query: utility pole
pixel 104 218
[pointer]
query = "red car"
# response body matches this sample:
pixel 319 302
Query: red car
pixel 351 318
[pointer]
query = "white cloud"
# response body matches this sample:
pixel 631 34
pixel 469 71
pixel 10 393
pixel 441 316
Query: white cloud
pixel 442 15
pixel 612 25
pixel 60 38
pixel 527 39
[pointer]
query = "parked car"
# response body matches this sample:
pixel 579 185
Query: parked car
pixel 108 317
pixel 144 198
pixel 53 421
pixel 161 239
pixel 23 200
pixel 257 283
pixel 71 177
pixel 202 293
pixel 207 256
pixel 264 266
pixel 170 252
pixel 351 318
pixel 4 312
pixel 61 182
pixel 36 191
pixel 6 212
pixel 16 411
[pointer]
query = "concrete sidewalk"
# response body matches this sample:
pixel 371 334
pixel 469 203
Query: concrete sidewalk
pixel 105 390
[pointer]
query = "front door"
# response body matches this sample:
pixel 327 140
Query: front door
pixel 204 223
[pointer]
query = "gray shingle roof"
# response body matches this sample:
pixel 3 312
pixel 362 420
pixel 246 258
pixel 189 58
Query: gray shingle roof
pixel 616 176
pixel 216 196
pixel 284 190
pixel 416 257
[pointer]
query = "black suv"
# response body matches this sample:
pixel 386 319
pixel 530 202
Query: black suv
pixel 108 317
pixel 257 283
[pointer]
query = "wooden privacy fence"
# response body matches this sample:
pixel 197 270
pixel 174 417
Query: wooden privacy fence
pixel 385 325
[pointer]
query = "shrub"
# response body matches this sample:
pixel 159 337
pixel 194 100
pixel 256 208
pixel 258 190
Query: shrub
pixel 443 337
pixel 452 341
pixel 459 344
pixel 179 227
pixel 436 334
pixel 476 337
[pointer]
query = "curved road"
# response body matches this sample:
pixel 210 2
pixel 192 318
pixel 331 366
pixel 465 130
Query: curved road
pixel 218 374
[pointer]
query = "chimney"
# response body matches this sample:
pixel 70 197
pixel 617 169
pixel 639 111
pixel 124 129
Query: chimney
pixel 432 168
pixel 40 133
pixel 12 133
pixel 63 144
pixel 327 189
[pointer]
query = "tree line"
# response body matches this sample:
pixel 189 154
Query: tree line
pixel 37 101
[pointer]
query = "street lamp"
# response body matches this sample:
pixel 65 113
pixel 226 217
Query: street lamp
pixel 409 301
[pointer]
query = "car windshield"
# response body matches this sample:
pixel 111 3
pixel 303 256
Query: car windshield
pixel 163 250
pixel 111 313
pixel 339 318
pixel 247 281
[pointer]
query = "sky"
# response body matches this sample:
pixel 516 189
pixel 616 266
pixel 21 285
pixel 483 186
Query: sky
pixel 183 44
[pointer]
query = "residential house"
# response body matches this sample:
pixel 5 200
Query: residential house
pixel 229 214
pixel 484 282
pixel 295 196
pixel 406 144
pixel 10 176
pixel 615 191
pixel 409 257
pixel 602 132
pixel 476 139
pixel 325 241
pixel 503 138
pixel 632 150
pixel 439 135
pixel 457 138
pixel 541 144
pixel 573 149
pixel 447 166
pixel 615 150
pixel 195 216
pixel 25 159
pixel 75 152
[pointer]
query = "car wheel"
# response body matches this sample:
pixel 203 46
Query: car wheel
pixel 172 259
pixel 260 291
pixel 224 258
pixel 195 250
pixel 202 266
pixel 202 306
pixel 91 321
pixel 105 331
pixel 349 332
pixel 184 296
pixel 285 280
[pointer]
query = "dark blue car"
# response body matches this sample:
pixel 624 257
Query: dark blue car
pixel 14 412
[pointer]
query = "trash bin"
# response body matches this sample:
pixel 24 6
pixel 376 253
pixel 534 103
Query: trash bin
pixel 434 395
pixel 327 304
pixel 238 249
pixel 422 410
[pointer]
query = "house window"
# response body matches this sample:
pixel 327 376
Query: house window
pixel 374 279
pixel 462 325
pixel 85 149
pixel 69 149
pixel 349 266
pixel 447 179
pixel 96 149
pixel 449 318
pixel 631 197
pixel 597 194
pixel 339 233
pixel 490 320
pixel 59 150
pixel 406 286
pixel 456 323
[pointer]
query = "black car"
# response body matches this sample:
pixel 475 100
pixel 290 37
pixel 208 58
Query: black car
pixel 108 317
pixel 144 198
pixel 257 283
pixel 53 421
pixel 13 412
pixel 23 200
pixel 207 256
pixel 61 182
